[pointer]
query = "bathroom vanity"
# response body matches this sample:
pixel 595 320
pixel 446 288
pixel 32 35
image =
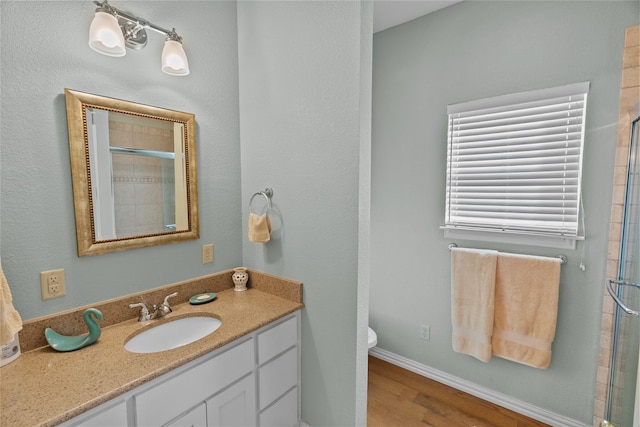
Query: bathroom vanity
pixel 247 372
pixel 254 380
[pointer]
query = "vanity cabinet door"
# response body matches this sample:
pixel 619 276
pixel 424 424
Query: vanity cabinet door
pixel 235 406
pixel 197 417
pixel 162 403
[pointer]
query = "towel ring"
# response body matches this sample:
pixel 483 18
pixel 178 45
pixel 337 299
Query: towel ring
pixel 267 193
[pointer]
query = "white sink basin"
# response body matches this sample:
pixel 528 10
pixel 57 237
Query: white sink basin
pixel 173 334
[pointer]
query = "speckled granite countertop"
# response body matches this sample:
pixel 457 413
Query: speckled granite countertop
pixel 44 387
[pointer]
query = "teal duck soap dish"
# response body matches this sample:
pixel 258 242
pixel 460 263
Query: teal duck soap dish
pixel 70 343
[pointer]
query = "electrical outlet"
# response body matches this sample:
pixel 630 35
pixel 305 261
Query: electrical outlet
pixel 207 253
pixel 425 332
pixel 52 284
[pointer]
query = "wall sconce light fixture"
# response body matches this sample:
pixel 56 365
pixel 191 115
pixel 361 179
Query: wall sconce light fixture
pixel 112 29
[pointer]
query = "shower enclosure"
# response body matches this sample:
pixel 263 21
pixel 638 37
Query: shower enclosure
pixel 623 408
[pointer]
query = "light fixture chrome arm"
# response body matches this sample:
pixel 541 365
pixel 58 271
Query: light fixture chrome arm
pixel 138 22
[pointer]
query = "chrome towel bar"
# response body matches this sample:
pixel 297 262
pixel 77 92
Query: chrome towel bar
pixel 563 258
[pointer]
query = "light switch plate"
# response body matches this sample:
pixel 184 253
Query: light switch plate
pixel 207 253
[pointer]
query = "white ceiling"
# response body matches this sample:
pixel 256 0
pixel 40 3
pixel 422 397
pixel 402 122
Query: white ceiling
pixel 389 13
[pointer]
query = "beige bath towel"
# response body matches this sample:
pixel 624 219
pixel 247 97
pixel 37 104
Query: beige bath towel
pixel 526 308
pixel 259 228
pixel 10 321
pixel 473 277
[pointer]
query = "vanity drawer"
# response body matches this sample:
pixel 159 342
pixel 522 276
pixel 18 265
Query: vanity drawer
pixel 169 399
pixel 114 415
pixel 278 339
pixel 283 413
pixel 277 376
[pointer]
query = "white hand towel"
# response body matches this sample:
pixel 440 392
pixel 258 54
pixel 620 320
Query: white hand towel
pixel 526 308
pixel 10 321
pixel 473 277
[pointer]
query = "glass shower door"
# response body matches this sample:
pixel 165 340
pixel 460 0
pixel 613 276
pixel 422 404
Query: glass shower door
pixel 622 402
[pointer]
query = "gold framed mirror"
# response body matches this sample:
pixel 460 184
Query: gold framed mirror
pixel 134 174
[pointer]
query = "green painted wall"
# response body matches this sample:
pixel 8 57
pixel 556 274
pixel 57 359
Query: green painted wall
pixel 37 227
pixel 302 128
pixel 302 76
pixel 468 51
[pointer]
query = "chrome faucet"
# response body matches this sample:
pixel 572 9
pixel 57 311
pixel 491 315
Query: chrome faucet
pixel 156 311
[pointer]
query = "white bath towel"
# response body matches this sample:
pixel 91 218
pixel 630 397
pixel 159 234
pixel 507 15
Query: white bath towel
pixel 473 278
pixel 526 308
pixel 10 321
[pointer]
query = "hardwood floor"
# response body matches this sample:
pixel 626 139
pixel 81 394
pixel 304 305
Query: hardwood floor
pixel 398 397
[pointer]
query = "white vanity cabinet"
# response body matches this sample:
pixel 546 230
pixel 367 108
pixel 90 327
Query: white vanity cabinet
pixel 254 380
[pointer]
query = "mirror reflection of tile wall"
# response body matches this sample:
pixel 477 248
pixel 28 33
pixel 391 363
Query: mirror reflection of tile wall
pixel 143 187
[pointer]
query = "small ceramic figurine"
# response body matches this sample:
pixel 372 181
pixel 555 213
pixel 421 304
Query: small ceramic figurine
pixel 70 343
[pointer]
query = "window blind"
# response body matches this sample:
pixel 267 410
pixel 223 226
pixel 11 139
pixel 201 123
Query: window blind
pixel 514 162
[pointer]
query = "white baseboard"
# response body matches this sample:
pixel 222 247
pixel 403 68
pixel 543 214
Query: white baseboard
pixel 480 392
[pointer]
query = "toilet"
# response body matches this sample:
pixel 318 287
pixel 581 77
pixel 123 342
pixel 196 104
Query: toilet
pixel 373 338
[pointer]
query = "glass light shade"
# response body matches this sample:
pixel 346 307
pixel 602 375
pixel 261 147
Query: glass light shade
pixel 174 60
pixel 105 35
